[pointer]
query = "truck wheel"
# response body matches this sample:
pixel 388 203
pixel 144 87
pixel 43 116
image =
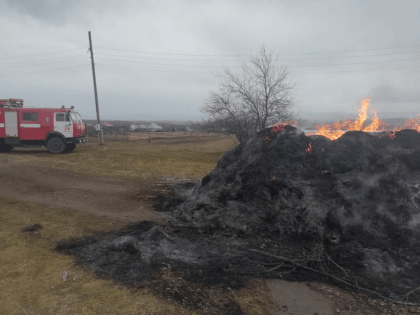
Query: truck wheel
pixel 56 145
pixel 70 147
pixel 5 148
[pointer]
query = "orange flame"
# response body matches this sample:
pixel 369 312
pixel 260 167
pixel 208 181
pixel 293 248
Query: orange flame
pixel 410 124
pixel 337 129
pixel 290 122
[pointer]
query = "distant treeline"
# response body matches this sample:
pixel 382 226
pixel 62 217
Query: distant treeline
pixel 120 127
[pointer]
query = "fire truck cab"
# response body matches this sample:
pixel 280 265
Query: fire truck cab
pixel 59 129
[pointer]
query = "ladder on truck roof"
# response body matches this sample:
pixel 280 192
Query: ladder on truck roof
pixel 11 103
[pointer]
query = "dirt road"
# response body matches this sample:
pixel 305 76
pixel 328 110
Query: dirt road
pixel 100 196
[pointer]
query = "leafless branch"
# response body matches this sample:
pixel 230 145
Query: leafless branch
pixel 246 103
pixel 337 279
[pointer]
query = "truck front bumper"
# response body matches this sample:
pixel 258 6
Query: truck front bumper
pixel 77 140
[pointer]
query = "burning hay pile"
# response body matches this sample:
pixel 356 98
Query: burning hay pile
pixel 345 211
pixel 358 196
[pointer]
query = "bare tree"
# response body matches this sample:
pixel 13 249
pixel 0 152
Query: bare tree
pixel 249 102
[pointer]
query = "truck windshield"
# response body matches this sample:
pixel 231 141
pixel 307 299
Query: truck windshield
pixel 76 117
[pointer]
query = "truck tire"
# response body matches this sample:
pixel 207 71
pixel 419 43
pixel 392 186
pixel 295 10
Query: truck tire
pixel 56 146
pixel 70 147
pixel 5 148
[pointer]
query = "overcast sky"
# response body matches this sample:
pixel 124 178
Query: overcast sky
pixel 156 60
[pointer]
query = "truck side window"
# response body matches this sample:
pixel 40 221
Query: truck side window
pixel 59 117
pixel 30 116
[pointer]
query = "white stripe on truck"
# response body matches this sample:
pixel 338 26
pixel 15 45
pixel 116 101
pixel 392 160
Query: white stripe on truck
pixel 30 125
pixel 1 125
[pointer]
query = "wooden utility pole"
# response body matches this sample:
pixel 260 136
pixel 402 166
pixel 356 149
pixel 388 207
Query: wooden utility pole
pixel 100 134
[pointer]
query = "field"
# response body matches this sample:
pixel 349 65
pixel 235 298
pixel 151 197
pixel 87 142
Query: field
pixel 96 192
pixel 48 198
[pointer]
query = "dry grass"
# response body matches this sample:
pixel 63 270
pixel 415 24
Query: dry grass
pixel 31 272
pixel 31 280
pixel 135 158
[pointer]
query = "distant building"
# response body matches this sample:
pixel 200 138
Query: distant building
pixel 148 127
pixel 154 127
pixel 188 129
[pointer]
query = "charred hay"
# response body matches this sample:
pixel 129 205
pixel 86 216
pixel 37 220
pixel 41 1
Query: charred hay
pixel 348 208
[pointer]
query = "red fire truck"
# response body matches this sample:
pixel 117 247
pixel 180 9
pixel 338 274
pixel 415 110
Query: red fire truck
pixel 59 129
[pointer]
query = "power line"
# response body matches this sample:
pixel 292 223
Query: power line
pixel 6 75
pixel 83 56
pixel 361 70
pixel 335 52
pixel 216 60
pixel 47 63
pixel 149 69
pixel 338 64
pixel 49 59
pixel 355 63
pixel 43 53
pixel 294 73
pixel 231 55
pixel 158 64
pixel 417 51
pixel 203 72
